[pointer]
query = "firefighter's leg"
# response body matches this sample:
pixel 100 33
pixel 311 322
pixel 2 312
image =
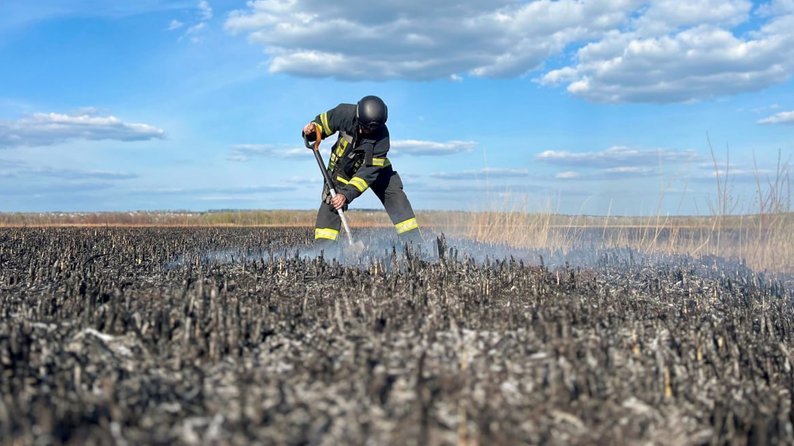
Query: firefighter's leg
pixel 389 189
pixel 326 229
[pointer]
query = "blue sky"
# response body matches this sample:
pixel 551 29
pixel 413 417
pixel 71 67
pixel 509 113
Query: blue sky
pixel 588 106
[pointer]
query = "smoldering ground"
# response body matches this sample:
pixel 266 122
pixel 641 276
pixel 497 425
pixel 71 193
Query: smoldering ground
pixel 233 336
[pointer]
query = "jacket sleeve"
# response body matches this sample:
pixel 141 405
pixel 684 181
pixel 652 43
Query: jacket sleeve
pixel 329 122
pixel 370 168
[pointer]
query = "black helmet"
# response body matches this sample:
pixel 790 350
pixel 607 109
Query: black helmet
pixel 371 112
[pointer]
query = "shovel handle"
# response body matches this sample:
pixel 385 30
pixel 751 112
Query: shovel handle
pixel 316 149
pixel 328 180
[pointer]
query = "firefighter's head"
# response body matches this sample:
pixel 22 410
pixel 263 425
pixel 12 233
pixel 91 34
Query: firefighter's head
pixel 371 113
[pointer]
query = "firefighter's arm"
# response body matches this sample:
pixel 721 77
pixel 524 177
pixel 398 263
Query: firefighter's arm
pixel 369 170
pixel 326 123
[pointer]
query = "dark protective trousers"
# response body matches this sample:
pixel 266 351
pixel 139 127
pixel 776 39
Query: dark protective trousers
pixel 389 189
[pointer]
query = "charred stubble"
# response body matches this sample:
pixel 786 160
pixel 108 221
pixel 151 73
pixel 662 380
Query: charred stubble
pixel 152 336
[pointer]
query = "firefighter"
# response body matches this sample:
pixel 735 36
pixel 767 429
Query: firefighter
pixel 358 162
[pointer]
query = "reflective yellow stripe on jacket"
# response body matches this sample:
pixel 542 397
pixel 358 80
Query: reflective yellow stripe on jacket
pixel 326 233
pixel 407 225
pixel 380 162
pixel 340 149
pixel 336 154
pixel 324 121
pixel 360 184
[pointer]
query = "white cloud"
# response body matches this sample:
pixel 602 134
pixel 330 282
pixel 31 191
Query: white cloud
pixel 610 173
pixel 567 175
pixel 236 191
pixel 43 129
pixel 238 194
pixel 709 175
pixel 77 174
pixel 628 171
pixel 430 148
pixel 205 10
pixel 614 163
pixel 193 31
pixel 227 198
pixel 65 191
pixel 415 39
pixel 679 52
pixel 195 28
pixel 487 172
pixel 664 16
pixel 20 178
pixel 617 157
pixel 786 117
pixel 28 172
pixel 245 152
pixel 623 51
pixel 175 24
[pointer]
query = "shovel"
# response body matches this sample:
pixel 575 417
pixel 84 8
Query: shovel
pixel 357 246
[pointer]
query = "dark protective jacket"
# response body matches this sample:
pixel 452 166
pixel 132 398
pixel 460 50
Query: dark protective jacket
pixel 356 159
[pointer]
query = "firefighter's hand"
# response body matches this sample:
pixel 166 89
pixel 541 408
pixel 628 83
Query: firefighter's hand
pixel 308 129
pixel 339 201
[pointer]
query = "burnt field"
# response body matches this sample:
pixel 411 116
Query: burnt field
pixel 241 335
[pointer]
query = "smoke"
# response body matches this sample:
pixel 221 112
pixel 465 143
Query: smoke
pixel 386 252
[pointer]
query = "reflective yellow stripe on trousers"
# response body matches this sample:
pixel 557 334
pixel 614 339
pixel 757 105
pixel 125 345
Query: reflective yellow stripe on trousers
pixel 407 225
pixel 326 233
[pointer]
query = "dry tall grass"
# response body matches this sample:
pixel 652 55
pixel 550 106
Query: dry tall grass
pixel 762 237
